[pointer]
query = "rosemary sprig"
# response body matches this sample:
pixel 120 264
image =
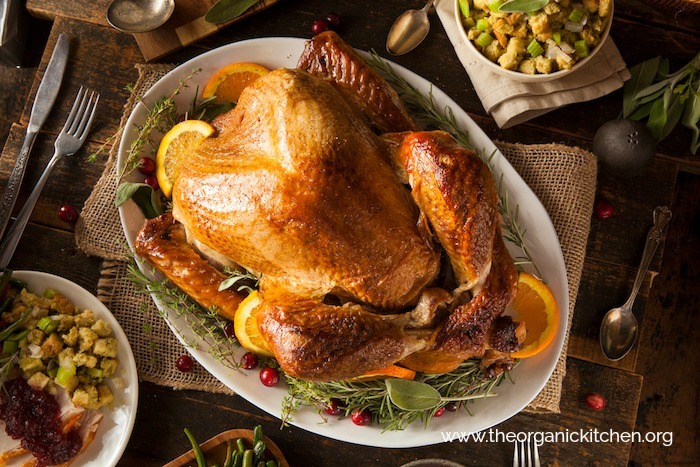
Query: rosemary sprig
pixel 207 324
pixel 464 384
pixel 424 111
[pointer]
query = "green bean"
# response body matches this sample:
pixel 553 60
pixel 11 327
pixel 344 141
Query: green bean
pixel 198 454
pixel 228 462
pixel 237 459
pixel 248 458
pixel 257 434
pixel 241 445
pixel 259 451
pixel 272 464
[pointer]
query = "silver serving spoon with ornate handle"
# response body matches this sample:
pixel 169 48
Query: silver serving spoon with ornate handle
pixel 408 30
pixel 619 329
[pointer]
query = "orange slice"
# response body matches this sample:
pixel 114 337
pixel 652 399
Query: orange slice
pixel 175 146
pixel 245 325
pixel 228 83
pixel 534 304
pixel 391 371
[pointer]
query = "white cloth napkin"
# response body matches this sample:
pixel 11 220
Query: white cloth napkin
pixel 511 102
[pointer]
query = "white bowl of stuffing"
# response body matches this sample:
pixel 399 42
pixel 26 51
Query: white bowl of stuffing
pixel 533 40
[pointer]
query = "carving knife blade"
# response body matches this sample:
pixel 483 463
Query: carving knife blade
pixel 45 98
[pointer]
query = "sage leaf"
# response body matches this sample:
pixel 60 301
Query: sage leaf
pixel 412 395
pixel 691 116
pixel 143 195
pixel 657 118
pixel 641 112
pixel 643 75
pixel 125 191
pixel 226 10
pixel 674 112
pixel 667 83
pixel 524 6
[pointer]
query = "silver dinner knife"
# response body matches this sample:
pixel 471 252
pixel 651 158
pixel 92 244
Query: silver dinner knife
pixel 45 98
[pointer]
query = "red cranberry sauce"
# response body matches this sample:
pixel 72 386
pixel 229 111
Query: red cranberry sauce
pixel 35 417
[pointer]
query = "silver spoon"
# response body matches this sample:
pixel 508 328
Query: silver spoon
pixel 408 30
pixel 139 15
pixel 618 331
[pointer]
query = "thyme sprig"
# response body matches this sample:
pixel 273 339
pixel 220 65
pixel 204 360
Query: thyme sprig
pixel 207 324
pixel 424 111
pixel 464 384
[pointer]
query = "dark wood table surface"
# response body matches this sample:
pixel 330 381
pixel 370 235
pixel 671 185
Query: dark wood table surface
pixel 653 389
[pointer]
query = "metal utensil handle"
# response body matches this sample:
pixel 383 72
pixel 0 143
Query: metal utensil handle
pixel 12 191
pixel 662 215
pixel 9 243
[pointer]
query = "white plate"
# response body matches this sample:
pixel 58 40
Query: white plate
pixel 115 428
pixel 542 242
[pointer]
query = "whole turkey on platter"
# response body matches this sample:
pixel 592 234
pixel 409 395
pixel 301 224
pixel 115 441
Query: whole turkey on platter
pixel 375 243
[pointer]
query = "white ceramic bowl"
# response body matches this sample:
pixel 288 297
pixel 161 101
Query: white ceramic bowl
pixel 517 75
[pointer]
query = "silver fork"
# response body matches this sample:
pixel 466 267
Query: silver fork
pixel 68 142
pixel 526 454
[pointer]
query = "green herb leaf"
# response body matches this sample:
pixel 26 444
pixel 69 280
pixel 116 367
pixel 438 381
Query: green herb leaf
pixel 657 118
pixel 226 10
pixel 643 75
pixel 412 395
pixel 524 6
pixel 143 195
pixel 674 111
pixel 642 111
pixel 691 116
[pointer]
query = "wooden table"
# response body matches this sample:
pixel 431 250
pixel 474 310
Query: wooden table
pixel 653 389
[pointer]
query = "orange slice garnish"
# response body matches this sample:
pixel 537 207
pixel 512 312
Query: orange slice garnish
pixel 228 83
pixel 535 305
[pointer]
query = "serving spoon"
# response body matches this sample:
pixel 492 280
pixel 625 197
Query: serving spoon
pixel 408 30
pixel 139 15
pixel 618 331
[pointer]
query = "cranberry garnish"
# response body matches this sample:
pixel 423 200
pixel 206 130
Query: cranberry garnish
pixel 361 417
pixel 249 361
pixel 152 181
pixel 603 209
pixel 333 18
pixel 452 406
pixel 184 363
pixel 68 213
pixel 595 401
pixel 146 165
pixel 334 408
pixel 269 376
pixel 439 412
pixel 319 26
pixel 229 330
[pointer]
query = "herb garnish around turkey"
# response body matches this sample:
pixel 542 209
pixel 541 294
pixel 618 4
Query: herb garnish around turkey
pixel 394 403
pixel 205 323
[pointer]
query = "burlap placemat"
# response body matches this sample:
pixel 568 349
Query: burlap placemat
pixel 563 178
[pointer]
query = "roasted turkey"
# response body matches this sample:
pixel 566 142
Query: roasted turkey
pixel 375 243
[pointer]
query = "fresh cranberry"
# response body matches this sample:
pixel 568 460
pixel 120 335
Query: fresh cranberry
pixel 319 26
pixel 269 376
pixel 333 19
pixel 249 361
pixel 595 401
pixel 439 412
pixel 68 213
pixel 603 209
pixel 146 165
pixel 452 406
pixel 361 417
pixel 229 330
pixel 184 363
pixel 152 181
pixel 334 408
